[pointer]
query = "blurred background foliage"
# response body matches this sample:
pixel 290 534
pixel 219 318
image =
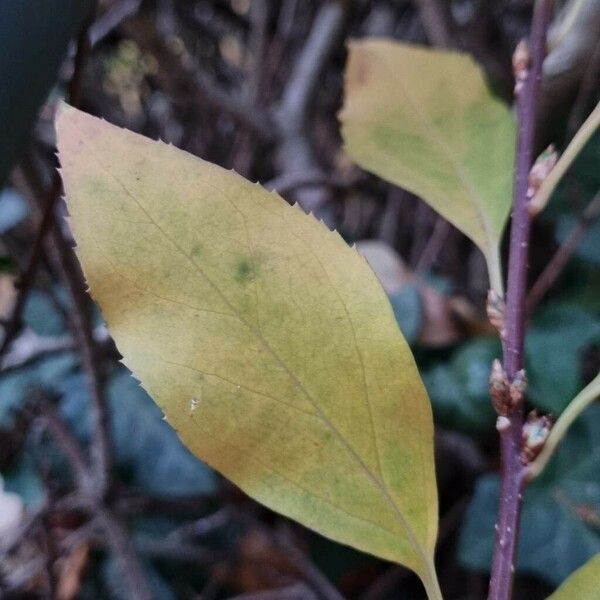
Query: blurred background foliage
pixel 255 85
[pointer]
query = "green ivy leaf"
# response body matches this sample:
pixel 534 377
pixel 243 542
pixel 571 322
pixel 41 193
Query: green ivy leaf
pixel 42 315
pixel 17 386
pixel 459 388
pixel 553 347
pixel 561 512
pixel 149 448
pixel 147 451
pixel 425 120
pixel 408 309
pixel 23 478
pixel 13 209
pixel 266 340
pixel 589 247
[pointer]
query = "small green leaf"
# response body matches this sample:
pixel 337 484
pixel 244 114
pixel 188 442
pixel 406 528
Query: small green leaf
pixel 425 120
pixel 266 340
pixel 584 584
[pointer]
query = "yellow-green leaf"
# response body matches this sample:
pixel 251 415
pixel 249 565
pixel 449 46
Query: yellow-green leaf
pixel 584 584
pixel 266 340
pixel 426 121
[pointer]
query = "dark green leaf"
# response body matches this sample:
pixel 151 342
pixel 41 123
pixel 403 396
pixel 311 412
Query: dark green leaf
pixel 42 315
pixel 408 311
pixel 145 442
pixel 12 209
pixel 24 479
pixel 33 42
pixel 554 347
pixel 589 247
pixel 147 450
pixel 559 530
pixel 581 182
pixel 17 386
pixel 459 388
pixel 115 582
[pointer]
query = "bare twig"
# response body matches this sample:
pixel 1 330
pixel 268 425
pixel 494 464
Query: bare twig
pixel 66 442
pixel 27 277
pixel 92 481
pixel 259 16
pixel 312 575
pixel 86 498
pixel 134 504
pixel 26 280
pixel 557 263
pixel 30 346
pixel 178 551
pixel 295 151
pixel 84 47
pixel 56 248
pixel 587 88
pixel 296 591
pixel 283 538
pixel 434 245
pixel 92 365
pixel 180 77
pixel 289 182
pixel 119 542
pixel 436 20
pixel 32 519
pixel 112 18
pixel 510 424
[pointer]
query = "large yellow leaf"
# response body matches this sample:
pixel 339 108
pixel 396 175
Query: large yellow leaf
pixel 425 120
pixel 266 340
pixel 584 584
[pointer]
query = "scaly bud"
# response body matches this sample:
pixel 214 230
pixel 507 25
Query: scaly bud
pixel 535 433
pixel 502 424
pixel 521 62
pixel 518 386
pixel 545 162
pixel 499 389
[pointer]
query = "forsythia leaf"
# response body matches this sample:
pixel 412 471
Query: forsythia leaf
pixel 425 120
pixel 584 584
pixel 266 340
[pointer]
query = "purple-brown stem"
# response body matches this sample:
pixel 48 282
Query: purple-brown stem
pixel 512 481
